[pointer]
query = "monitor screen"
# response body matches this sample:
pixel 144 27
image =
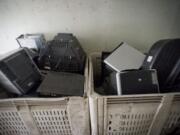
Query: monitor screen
pixel 19 65
pixel 18 73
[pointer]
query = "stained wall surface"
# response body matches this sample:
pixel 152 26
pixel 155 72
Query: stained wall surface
pixel 98 24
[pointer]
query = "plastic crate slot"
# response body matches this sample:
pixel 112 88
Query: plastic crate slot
pixel 53 121
pixel 130 119
pixel 173 119
pixel 12 124
pixel 176 98
pixel 134 100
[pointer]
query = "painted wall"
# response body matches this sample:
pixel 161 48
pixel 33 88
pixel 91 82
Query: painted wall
pixel 98 24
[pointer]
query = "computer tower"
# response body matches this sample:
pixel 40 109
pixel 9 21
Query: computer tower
pixel 125 57
pixel 137 82
pixel 18 73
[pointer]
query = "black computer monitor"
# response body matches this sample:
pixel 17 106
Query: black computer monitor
pixel 164 56
pixel 18 73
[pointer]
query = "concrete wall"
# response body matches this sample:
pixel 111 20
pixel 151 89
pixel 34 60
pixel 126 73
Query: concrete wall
pixel 98 24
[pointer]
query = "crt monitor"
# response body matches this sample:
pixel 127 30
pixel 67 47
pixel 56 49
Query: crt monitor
pixel 18 73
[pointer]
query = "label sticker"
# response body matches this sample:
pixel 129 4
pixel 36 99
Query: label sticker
pixel 154 78
pixel 149 59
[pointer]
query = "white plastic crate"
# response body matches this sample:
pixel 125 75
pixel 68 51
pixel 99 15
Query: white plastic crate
pixel 46 116
pixel 148 114
pixel 174 115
